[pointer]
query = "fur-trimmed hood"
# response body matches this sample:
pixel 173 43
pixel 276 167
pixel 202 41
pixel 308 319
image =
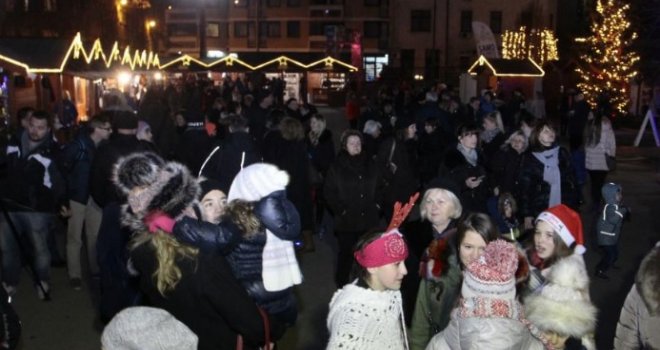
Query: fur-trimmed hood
pixel 563 305
pixel 647 281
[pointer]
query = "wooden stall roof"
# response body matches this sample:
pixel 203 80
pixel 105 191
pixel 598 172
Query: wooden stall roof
pixel 507 68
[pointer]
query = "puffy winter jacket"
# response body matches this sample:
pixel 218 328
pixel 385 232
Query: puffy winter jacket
pixel 640 316
pixel 608 226
pixel 244 254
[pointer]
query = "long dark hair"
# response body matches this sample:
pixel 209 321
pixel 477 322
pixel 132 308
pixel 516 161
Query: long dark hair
pixel 593 129
pixel 534 143
pixel 476 222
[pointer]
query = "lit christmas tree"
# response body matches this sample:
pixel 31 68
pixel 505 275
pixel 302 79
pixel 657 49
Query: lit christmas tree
pixel 608 62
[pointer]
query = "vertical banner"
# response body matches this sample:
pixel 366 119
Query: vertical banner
pixel 483 37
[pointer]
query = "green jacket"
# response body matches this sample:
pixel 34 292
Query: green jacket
pixel 435 301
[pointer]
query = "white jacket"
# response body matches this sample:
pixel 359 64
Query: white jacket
pixel 364 319
pixel 595 154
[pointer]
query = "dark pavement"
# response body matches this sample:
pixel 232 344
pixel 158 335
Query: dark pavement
pixel 69 322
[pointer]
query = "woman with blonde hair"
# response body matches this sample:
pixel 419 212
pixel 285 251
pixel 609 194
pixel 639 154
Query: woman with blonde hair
pixel 196 288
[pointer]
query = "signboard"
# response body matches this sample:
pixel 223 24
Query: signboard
pixel 486 44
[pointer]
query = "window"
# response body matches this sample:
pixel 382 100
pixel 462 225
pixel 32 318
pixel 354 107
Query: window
pixel 273 3
pixel 269 30
pixel 373 65
pixel 293 3
pixel 182 29
pixel 213 30
pixel 241 29
pixel 375 29
pixel 371 2
pixel 496 22
pixel 293 29
pixel 466 22
pixel 318 28
pixel 420 21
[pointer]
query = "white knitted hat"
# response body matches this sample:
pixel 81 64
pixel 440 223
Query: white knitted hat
pixel 147 328
pixel 493 274
pixel 257 181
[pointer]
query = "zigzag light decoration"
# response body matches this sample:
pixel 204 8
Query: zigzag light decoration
pixel 76 51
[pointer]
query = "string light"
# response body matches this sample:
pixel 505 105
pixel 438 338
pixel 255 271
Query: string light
pixel 608 61
pixel 537 44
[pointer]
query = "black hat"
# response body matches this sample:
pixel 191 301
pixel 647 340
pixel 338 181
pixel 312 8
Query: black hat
pixel 444 183
pixel 208 185
pixel 403 122
pixel 124 120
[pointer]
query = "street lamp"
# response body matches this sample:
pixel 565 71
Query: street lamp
pixel 149 26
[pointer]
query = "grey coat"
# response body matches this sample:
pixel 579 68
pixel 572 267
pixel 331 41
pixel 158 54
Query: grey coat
pixel 640 316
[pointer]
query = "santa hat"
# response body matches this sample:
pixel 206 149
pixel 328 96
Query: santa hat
pixel 567 223
pixel 562 306
pixel 256 181
pixel 147 328
pixel 492 275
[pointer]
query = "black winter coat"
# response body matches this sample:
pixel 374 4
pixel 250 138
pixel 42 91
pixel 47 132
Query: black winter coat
pixel 459 170
pixel 504 170
pixel 352 190
pixel 323 153
pixel 102 189
pixel 207 299
pixel 404 181
pixel 34 181
pixel 244 254
pixel 535 193
pixel 291 156
pixel 228 160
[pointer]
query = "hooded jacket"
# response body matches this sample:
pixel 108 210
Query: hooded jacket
pixel 611 218
pixel 640 316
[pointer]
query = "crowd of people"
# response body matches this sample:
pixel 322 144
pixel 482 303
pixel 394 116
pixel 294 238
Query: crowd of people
pixel 195 204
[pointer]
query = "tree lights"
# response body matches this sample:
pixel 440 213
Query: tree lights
pixel 607 61
pixel 537 44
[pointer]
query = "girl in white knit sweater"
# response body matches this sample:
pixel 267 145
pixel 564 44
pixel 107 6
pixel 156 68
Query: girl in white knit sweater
pixel 367 314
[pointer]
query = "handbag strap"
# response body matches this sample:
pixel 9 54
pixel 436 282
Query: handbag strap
pixel 389 159
pixel 264 318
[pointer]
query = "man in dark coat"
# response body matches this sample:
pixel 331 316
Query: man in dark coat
pixel 257 116
pixel 31 194
pixel 236 151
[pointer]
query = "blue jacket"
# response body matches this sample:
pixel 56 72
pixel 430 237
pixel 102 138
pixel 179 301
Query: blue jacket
pixel 76 164
pixel 244 254
pixel 610 221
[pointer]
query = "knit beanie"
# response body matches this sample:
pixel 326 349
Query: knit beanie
pixel 492 275
pixel 567 223
pixel 562 305
pixel 124 120
pixel 208 185
pixel 444 183
pixel 256 181
pixel 152 185
pixel 147 328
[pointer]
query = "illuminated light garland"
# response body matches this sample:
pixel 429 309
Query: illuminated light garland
pixel 539 45
pixel 76 51
pixel 483 61
pixel 608 59
pixel 282 61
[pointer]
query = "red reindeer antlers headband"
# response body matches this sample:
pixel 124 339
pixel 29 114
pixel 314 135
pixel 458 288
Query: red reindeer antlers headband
pixel 401 212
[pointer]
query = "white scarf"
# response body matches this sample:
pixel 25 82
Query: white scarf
pixel 551 174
